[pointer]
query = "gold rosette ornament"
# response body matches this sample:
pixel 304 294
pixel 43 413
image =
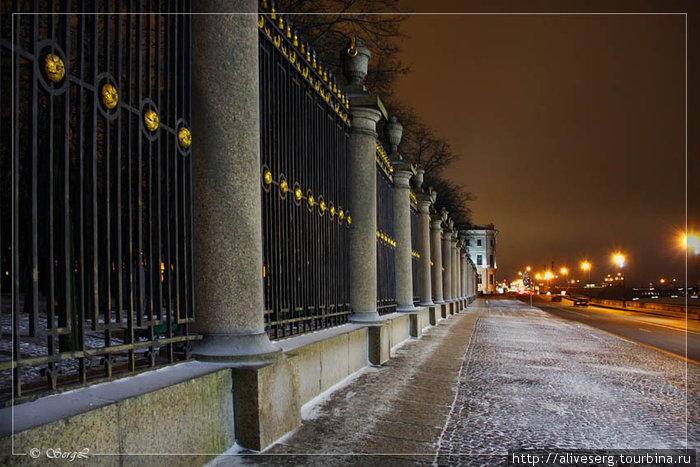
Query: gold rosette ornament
pixel 54 68
pixel 184 137
pixel 110 97
pixel 150 118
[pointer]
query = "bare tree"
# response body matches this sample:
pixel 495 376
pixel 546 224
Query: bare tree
pixel 326 26
pixel 419 144
pixel 452 197
pixel 329 33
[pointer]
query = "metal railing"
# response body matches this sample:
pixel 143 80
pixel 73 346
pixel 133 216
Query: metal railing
pixel 304 129
pixel 386 241
pixel 96 197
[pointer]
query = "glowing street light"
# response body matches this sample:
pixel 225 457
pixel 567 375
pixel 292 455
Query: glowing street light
pixel 586 266
pixel 619 259
pixel 691 242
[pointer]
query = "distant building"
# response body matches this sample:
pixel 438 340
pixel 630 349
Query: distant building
pixel 481 241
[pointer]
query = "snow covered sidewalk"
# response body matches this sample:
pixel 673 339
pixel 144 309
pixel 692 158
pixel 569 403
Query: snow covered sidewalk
pixel 532 380
pixel 501 376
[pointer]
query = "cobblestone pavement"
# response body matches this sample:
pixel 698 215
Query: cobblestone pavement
pixel 531 380
pixel 389 415
pixel 502 376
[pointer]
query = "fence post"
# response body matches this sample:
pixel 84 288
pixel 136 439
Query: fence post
pixel 470 277
pixel 455 270
pixel 436 255
pixel 424 202
pixel 447 263
pixel 366 111
pixel 403 171
pixel 227 195
pixel 464 273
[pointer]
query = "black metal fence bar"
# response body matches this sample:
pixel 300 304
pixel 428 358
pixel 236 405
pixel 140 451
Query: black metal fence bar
pixel 386 241
pixel 96 192
pixel 304 128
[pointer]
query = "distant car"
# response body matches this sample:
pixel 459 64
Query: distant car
pixel 581 301
pixel 556 298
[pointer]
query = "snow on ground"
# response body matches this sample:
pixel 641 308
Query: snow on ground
pixel 533 381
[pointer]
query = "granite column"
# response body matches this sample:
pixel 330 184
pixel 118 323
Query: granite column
pixel 226 179
pixel 436 256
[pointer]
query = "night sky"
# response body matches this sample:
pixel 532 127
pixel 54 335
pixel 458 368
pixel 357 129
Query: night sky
pixel 571 129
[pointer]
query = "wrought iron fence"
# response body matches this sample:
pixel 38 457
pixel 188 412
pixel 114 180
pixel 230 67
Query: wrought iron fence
pixel 304 128
pixel 386 243
pixel 96 192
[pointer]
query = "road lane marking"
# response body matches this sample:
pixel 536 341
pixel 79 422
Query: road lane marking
pixel 631 314
pixel 634 318
pixel 638 342
pixel 645 330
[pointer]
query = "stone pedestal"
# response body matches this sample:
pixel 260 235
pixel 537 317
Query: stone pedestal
pixel 436 256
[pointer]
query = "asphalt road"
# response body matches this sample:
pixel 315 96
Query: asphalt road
pixel 662 333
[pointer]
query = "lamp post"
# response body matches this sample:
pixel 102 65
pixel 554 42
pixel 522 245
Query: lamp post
pixel 691 242
pixel 565 273
pixel 619 259
pixel 586 266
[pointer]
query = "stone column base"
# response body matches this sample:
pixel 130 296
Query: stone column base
pixel 419 320
pixel 266 404
pixel 364 317
pixel 379 343
pixel 433 315
pixel 236 349
pixel 443 310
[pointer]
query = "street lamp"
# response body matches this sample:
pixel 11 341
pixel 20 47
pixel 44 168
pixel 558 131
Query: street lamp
pixel 691 242
pixel 619 259
pixel 586 266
